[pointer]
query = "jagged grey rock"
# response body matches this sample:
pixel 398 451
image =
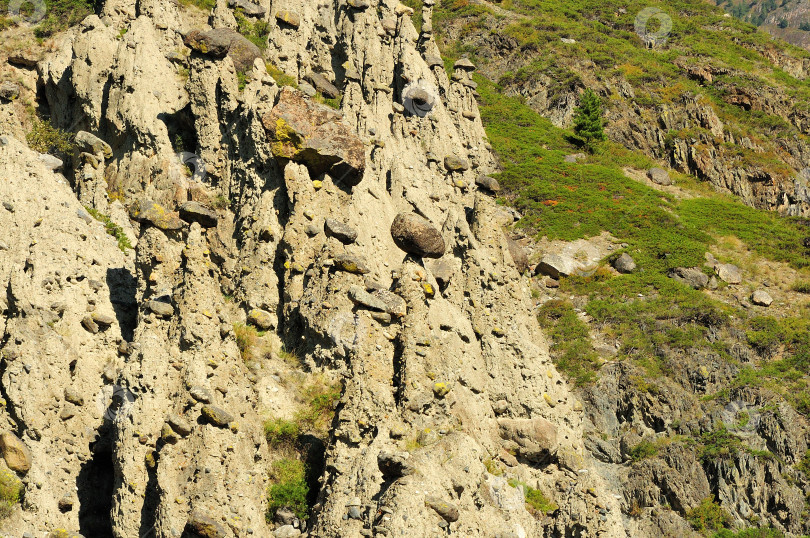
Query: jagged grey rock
pixel 691 276
pixel 761 298
pixel 659 176
pixel 624 264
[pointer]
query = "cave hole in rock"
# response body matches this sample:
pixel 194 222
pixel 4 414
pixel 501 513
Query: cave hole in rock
pixel 181 129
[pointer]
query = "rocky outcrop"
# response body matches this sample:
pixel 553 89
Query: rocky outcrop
pixel 314 135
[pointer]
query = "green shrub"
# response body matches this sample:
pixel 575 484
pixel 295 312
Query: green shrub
pixel 719 444
pixel 321 399
pixel 801 287
pixel 112 229
pixel 536 502
pixel 333 103
pixel 288 488
pixel 281 433
pixel 708 516
pixel 45 138
pixel 247 340
pixel 572 351
pixel 256 32
pixel 750 533
pixel 205 5
pixel 644 449
pixel 10 491
pixel 220 202
pixel 804 464
pixel 281 78
pixel 61 15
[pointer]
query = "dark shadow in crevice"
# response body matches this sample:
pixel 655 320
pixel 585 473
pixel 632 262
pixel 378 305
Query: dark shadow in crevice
pixel 181 129
pixel 313 450
pixel 151 501
pixel 95 486
pixel 123 286
pixel 399 371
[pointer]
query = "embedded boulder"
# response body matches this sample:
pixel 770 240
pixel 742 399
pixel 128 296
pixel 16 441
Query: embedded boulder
pixel 416 235
pixel 691 276
pixel 556 265
pixel 322 84
pixel 659 176
pixel 16 454
pixel 535 439
pixel 761 298
pixel 487 183
pixel 90 143
pixel 290 18
pixel 624 264
pixel 148 211
pixel 315 136
pixel 728 273
pixel 222 42
pixel 342 232
pixel 394 465
pixel 196 212
pixel 200 525
pixel 518 254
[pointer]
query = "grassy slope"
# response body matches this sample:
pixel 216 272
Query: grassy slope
pixel 608 49
pixel 570 201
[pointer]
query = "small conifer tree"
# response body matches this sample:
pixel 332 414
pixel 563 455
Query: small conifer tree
pixel 588 119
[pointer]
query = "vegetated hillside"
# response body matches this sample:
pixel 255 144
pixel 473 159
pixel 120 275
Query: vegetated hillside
pixel 785 19
pixel 674 378
pixel 719 99
pixel 698 398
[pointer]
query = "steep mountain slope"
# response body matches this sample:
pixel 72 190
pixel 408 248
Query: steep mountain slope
pixel 683 388
pixel 788 19
pixel 233 310
pixel 716 99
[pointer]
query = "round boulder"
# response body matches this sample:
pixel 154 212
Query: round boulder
pixel 416 235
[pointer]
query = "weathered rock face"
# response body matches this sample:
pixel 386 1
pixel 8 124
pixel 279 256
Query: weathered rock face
pixel 315 136
pixel 428 357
